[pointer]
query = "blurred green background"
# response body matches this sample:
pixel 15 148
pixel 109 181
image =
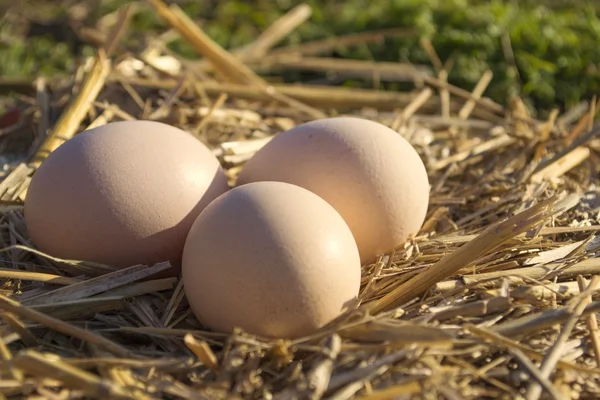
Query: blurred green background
pixel 548 52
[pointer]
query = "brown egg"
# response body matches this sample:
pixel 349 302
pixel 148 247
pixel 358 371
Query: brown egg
pixel 271 258
pixel 122 194
pixel 369 173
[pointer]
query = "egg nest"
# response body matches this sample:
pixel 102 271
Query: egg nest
pixel 496 297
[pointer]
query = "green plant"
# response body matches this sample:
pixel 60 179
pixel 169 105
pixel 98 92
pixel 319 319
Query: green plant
pixel 547 54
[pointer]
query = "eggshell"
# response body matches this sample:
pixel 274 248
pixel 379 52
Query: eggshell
pixel 271 258
pixel 122 194
pixel 369 173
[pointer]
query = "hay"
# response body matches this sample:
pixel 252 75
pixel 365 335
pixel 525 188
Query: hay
pixel 489 300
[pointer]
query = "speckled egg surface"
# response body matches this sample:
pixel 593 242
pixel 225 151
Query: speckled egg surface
pixel 369 173
pixel 271 258
pixel 124 193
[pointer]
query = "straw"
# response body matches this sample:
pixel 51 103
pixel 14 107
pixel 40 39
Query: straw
pixel 493 297
pixel 492 238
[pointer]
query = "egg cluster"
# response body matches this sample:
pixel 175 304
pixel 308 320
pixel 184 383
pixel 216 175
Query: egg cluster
pixel 278 255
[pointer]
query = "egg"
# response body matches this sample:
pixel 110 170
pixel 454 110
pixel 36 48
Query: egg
pixel 122 194
pixel 369 173
pixel 271 258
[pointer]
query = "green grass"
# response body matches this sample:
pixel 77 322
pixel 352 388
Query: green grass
pixel 556 48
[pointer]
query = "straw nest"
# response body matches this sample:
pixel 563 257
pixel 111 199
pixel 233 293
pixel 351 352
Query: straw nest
pixel 494 298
